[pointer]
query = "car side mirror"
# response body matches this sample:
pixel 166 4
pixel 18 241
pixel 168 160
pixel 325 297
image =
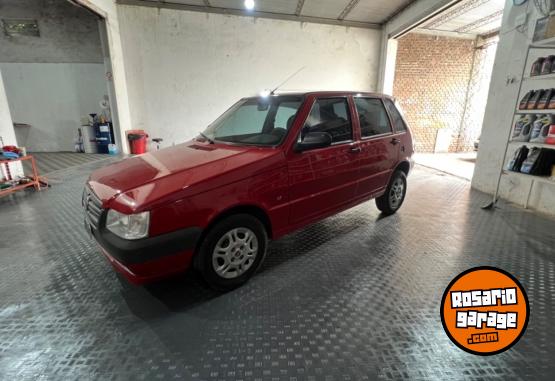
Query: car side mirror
pixel 314 140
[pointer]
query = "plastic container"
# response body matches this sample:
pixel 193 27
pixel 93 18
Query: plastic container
pixel 524 101
pixel 551 135
pixel 534 100
pixel 137 141
pixel 537 67
pixel 540 128
pixel 545 99
pixel 112 149
pixel 523 128
pixel 547 65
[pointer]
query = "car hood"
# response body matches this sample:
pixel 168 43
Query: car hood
pixel 176 172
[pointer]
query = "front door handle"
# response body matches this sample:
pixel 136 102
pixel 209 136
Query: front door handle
pixel 355 150
pixel 395 141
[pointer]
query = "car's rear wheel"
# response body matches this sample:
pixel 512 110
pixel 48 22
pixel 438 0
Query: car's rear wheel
pixel 232 251
pixel 393 198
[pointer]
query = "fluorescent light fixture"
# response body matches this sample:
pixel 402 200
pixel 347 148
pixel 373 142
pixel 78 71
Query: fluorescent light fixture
pixel 265 93
pixel 249 4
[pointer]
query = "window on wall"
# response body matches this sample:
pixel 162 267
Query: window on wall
pixel 398 121
pixel 372 116
pixel 21 27
pixel 330 115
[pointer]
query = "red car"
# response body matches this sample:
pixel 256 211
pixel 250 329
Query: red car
pixel 268 166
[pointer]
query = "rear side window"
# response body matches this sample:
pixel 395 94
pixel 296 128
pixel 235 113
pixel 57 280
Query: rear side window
pixel 398 121
pixel 372 116
pixel 330 115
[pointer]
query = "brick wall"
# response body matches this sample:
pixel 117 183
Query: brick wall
pixel 432 77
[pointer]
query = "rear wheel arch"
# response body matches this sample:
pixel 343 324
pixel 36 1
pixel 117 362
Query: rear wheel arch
pixel 403 166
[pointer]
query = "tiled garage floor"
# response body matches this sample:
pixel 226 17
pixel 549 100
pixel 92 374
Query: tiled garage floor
pixel 354 297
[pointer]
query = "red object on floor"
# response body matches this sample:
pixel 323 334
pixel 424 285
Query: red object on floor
pixel 137 141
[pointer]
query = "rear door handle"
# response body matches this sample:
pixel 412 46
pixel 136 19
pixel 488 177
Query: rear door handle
pixel 395 141
pixel 355 150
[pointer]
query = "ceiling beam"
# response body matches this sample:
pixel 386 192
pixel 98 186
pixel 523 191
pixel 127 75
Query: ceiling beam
pixel 299 9
pixel 481 22
pixel 348 9
pixel 258 14
pixel 456 11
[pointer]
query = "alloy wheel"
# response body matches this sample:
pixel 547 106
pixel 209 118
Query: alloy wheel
pixel 396 193
pixel 234 253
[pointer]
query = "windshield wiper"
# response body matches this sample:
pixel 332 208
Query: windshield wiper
pixel 211 141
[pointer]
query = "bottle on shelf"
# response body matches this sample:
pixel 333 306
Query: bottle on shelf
pixel 523 128
pixel 537 67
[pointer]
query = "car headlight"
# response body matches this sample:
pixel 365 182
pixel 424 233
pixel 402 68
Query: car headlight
pixel 128 226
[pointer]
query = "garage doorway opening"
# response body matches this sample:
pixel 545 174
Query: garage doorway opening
pixel 442 76
pixel 57 78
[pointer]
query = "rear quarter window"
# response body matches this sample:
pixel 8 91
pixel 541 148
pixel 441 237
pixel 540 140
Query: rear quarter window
pixel 396 116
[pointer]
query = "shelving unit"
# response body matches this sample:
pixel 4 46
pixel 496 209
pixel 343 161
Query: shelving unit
pixel 544 77
pixel 547 180
pixel 548 44
pixel 546 111
pixel 532 144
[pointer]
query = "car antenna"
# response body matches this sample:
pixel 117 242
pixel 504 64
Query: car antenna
pixel 287 80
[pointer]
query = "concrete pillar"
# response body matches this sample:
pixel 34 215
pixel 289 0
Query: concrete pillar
pixel 7 131
pixel 387 67
pixel 108 10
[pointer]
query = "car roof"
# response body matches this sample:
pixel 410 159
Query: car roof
pixel 331 93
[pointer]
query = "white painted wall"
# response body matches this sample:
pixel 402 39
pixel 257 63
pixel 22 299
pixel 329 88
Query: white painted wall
pixel 498 119
pixel 6 124
pixel 108 10
pixel 67 33
pixel 53 80
pixel 6 128
pixel 185 68
pixel 52 98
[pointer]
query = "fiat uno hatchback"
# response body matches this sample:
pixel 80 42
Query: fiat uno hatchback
pixel 266 167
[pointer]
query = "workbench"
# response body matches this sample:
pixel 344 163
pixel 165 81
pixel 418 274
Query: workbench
pixel 35 181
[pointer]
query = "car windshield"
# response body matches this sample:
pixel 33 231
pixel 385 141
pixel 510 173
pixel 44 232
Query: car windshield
pixel 262 121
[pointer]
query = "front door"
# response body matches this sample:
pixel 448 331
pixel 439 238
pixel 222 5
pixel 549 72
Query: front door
pixel 324 179
pixel 379 147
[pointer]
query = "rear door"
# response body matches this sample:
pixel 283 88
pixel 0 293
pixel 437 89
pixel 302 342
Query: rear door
pixel 402 132
pixel 379 147
pixel 324 179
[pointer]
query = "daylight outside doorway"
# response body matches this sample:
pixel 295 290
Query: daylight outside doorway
pixel 442 76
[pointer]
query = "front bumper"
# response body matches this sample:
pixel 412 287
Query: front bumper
pixel 148 259
pixel 141 273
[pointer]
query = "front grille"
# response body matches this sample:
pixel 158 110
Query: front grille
pixel 93 207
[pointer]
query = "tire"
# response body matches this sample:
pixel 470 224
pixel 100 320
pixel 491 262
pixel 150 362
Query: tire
pixel 394 195
pixel 225 256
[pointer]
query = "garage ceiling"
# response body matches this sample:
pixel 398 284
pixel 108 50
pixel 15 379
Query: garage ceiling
pixel 471 17
pixel 364 13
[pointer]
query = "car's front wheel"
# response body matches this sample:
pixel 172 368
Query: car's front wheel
pixel 393 198
pixel 232 251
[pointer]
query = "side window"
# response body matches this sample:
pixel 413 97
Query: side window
pixel 372 116
pixel 398 121
pixel 330 115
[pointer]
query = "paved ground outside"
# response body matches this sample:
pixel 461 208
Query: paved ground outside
pixel 457 164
